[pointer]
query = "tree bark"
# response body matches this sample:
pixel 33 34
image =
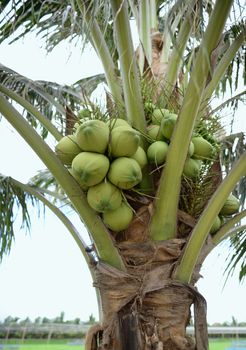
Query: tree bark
pixel 145 309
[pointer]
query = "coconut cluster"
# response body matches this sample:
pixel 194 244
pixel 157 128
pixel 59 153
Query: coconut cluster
pixel 159 132
pixel 105 158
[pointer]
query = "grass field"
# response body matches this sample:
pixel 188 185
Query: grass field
pixel 217 344
pixel 220 344
pixel 41 345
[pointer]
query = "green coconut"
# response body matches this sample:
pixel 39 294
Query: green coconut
pixel 104 196
pixel 124 142
pixel 118 219
pixel 76 126
pixel 157 152
pixel 231 206
pixel 216 225
pixel 149 107
pixel 192 168
pixel 154 133
pixel 67 148
pixel 168 124
pixel 77 178
pixel 191 149
pixel 125 173
pixel 203 149
pixel 158 115
pixel 91 168
pixel 84 113
pixel 116 122
pixel 93 136
pixel 141 157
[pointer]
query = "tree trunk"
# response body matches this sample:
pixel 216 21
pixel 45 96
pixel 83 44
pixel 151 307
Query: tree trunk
pixel 145 309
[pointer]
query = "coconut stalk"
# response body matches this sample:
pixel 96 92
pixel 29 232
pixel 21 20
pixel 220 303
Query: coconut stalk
pixel 169 30
pixel 128 66
pixel 164 219
pixel 177 56
pixel 153 16
pixel 145 31
pixel 103 242
pixel 99 44
pixel 222 233
pixel 200 232
pixel 33 111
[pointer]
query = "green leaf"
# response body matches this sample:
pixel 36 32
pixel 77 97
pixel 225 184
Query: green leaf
pixel 12 200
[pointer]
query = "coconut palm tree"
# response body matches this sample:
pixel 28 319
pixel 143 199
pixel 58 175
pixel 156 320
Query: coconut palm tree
pixel 182 197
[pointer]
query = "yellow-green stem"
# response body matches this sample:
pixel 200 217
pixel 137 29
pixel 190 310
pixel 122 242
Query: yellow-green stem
pixel 153 15
pixel 128 66
pixel 176 57
pixel 99 43
pixel 144 29
pixel 176 13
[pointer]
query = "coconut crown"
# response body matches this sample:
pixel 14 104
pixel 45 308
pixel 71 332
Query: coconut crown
pixel 95 144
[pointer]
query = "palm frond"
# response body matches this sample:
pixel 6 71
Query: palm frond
pixel 236 71
pixel 12 200
pixel 237 257
pixel 47 184
pixel 232 102
pixel 50 98
pixel 232 147
pixel 53 20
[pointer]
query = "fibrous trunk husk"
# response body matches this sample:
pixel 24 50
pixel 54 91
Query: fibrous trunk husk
pixel 144 308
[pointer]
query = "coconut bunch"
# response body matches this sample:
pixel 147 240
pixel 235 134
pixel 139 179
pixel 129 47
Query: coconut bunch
pixel 159 132
pixel 106 159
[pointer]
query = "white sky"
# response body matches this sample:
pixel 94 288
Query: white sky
pixel 45 272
